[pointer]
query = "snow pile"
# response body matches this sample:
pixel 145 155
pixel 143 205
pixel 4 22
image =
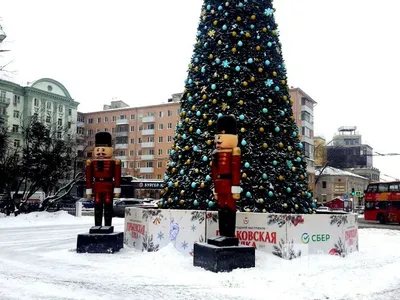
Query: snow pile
pixel 43 218
pixel 2 215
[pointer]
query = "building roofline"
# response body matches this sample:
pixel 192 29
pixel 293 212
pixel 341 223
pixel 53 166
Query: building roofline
pixel 63 88
pixel 130 108
pixel 304 93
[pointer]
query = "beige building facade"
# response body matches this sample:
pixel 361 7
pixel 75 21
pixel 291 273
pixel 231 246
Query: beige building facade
pixel 143 136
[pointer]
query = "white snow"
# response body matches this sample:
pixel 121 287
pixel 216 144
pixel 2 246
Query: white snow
pixel 337 172
pixel 38 261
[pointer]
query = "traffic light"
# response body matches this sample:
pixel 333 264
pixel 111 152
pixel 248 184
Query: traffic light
pixel 353 192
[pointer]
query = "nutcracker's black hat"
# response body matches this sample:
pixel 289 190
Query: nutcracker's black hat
pixel 226 125
pixel 103 139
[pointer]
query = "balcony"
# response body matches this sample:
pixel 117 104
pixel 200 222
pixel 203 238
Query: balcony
pixel 4 100
pixel 147 157
pixel 123 158
pixel 80 136
pixel 80 124
pixel 122 133
pixel 148 132
pixel 121 146
pixel 122 122
pixel 148 145
pixel 146 170
pixel 148 119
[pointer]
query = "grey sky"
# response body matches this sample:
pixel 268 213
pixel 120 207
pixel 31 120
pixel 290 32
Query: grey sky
pixel 343 53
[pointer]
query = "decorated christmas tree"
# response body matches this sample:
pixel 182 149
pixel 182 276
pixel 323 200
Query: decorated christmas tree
pixel 237 68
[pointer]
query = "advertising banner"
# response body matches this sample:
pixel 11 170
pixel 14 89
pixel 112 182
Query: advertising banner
pixel 350 233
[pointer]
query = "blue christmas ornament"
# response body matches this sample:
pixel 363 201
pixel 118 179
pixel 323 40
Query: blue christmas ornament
pixel 198 113
pixel 282 113
pixel 237 80
pixel 224 27
pixel 262 98
pixel 198 131
pixel 269 44
pixel 264 176
pixel 205 106
pixel 205 27
pixel 270 194
pixel 219 115
pixel 298 159
pixel 258 37
pixel 205 158
pixel 196 60
pixel 190 81
pixel 195 202
pixel 274 162
pixel 181 172
pixel 172 164
pixel 244 143
pixel 170 184
pixel 240 4
pixel 300 145
pixel 288 189
pixel 250 60
pixel 198 33
pixel 166 177
pixel 248 194
pixel 229 93
pixel 294 133
pixel 252 26
pixel 237 68
pixel 203 69
pixel 213 86
pixel 241 117
pixel 195 148
pixel 246 165
pixel 184 136
pixel 208 7
pixel 193 184
pixel 277 129
pixel 217 60
pixel 172 152
pixel 277 89
pixel 240 43
pixel 226 14
pixel 267 62
pixel 265 110
pixel 190 99
pixel 220 7
pixel 208 177
pixel 210 203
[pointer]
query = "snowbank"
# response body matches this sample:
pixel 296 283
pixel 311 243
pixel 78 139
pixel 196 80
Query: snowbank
pixel 44 219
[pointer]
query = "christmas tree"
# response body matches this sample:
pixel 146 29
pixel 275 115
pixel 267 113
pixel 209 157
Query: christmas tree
pixel 237 68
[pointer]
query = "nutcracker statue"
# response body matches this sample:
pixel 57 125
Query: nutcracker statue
pixel 103 177
pixel 223 253
pixel 226 175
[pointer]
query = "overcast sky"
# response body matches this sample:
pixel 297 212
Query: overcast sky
pixel 343 53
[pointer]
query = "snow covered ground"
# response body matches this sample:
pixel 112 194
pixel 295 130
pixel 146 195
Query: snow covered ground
pixel 38 261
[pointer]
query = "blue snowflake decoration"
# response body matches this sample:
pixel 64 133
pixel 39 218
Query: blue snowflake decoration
pixel 184 245
pixel 268 12
pixel 225 64
pixel 269 82
pixel 160 235
pixel 193 227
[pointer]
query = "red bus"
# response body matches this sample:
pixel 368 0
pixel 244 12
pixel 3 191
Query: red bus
pixel 382 202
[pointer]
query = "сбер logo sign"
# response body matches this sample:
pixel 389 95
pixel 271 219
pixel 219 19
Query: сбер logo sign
pixel 305 238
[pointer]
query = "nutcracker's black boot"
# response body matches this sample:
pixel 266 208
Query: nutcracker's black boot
pixel 108 214
pixel 98 214
pixel 227 222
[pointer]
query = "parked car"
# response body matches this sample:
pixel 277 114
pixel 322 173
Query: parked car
pixel 121 204
pixel 87 203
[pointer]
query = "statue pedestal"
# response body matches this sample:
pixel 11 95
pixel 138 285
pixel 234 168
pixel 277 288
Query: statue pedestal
pixel 100 239
pixel 219 256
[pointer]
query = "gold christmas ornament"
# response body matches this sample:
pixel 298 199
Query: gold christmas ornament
pixel 245 83
pixel 296 206
pixel 209 142
pixel 283 82
pixel 258 48
pixel 264 29
pixel 204 116
pixel 293 169
pixel 173 170
pixel 252 79
pixel 261 201
pixel 248 34
pixel 280 145
pixel 260 70
pixel 194 107
pixel 234 50
pixel 241 102
pixel 211 56
pixel 202 185
pixel 285 205
pixel 169 200
pixel 188 162
pixel 196 68
pixel 204 97
pixel 212 11
pixel 261 129
pixel 176 184
pixel 264 210
pixel 186 148
pixel 242 129
pixel 181 202
pixel 238 19
pixel 215 23
pixel 196 170
pixel 273 32
pixel 214 101
pixel 269 100
pixel 281 178
pixel 226 76
pixel 178 136
pixel 210 122
pixel 226 3
pixel 274 74
pixel 182 192
pixel 190 128
pixel 234 33
pixel 244 175
pixel 265 145
pixel 253 17
pixel 284 98
pixel 289 148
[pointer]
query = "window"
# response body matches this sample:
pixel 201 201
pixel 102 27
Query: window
pixel 150 114
pixel 169 125
pixel 90 132
pixel 372 188
pixel 150 139
pixel 140 128
pixel 59 122
pixel 169 113
pixel 106 129
pixel 48 105
pixel 150 152
pixel 69 125
pixel 139 140
pixel 98 120
pixel 159 164
pixel 159 152
pixel 48 119
pixel 158 176
pixel 132 140
pixel 69 112
pixel 132 116
pixel 36 102
pixel 138 164
pixel 160 139
pixel 60 108
pixel 59 134
pixel 17 143
pixel 16 99
pixel 105 119
pixel 131 165
pixel 132 128
pixel 113 130
pixel 139 152
pixel 324 184
pixel 122 117
pixel 160 126
pixel 306 116
pixel 90 121
pixel 160 114
pixel 394 187
pixel 149 164
pixel 114 118
pixel 15 128
pixel 169 139
pixel 169 151
pixel 383 187
pixel 131 153
pixel 150 126
pixel 16 114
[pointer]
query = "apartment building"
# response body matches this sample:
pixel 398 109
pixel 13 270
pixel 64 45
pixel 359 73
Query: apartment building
pixel 47 98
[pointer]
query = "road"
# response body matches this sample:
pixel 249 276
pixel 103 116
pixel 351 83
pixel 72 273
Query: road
pixel 374 224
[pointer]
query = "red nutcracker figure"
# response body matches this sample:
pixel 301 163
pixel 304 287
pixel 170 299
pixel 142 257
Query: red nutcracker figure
pixel 226 174
pixel 103 177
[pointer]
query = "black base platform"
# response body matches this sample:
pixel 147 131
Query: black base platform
pixel 223 259
pixel 100 240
